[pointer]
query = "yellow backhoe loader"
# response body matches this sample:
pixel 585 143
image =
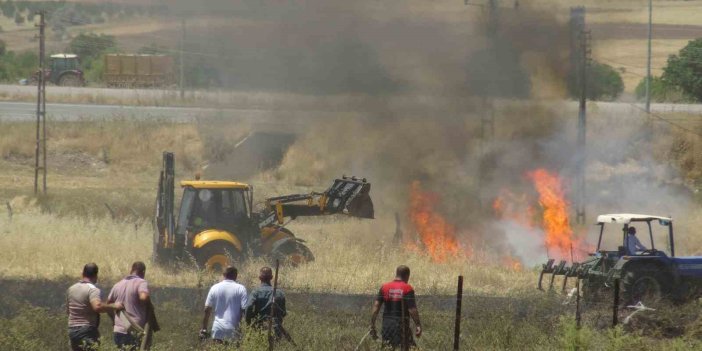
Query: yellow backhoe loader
pixel 216 223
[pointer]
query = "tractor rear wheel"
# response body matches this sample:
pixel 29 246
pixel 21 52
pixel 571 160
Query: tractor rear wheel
pixel 217 255
pixel 647 284
pixel 70 80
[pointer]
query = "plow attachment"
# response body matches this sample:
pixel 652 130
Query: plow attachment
pixel 560 269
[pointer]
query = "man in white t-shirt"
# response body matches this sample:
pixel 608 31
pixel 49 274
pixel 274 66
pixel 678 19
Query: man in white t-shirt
pixel 228 300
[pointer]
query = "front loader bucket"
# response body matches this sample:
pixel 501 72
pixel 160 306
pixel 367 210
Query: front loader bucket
pixel 350 196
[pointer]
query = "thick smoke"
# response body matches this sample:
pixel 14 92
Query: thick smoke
pixel 424 83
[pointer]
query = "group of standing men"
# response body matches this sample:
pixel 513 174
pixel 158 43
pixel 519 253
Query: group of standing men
pixel 129 306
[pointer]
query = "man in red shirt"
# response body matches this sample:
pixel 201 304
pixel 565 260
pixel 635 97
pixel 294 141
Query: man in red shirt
pixel 399 300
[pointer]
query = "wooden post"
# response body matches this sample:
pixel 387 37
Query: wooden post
pixel 459 300
pixel 577 303
pixel 272 315
pixel 112 212
pixel 615 304
pixel 9 210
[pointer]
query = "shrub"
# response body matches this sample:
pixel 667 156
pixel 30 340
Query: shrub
pixel 661 91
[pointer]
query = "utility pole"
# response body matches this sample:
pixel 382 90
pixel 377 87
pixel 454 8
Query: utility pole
pixel 40 148
pixel 648 64
pixel 581 152
pixel 182 61
pixel 579 58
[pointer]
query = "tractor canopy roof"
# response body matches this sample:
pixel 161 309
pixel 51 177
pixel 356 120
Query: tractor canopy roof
pixel 625 218
pixel 213 184
pixel 67 56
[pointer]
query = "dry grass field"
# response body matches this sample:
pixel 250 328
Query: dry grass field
pixel 47 240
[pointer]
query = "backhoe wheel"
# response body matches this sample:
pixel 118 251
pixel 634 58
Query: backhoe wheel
pixel 217 255
pixel 293 253
pixel 647 284
pixel 70 80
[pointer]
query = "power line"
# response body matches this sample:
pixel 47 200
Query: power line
pixel 664 120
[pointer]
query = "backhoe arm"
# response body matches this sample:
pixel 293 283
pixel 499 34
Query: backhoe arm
pixel 349 196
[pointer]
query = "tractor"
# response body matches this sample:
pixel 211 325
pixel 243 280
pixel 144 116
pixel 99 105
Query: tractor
pixel 217 225
pixel 64 70
pixel 648 276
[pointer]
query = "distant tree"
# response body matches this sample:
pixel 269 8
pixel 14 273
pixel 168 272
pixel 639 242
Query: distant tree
pixel 8 9
pixel 684 70
pixel 90 46
pixel 662 91
pixel 22 5
pixel 603 83
pixel 19 19
pixel 3 47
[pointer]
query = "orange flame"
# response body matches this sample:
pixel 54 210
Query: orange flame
pixel 512 263
pixel 559 239
pixel 436 234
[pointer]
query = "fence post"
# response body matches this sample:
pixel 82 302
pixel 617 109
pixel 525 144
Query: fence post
pixel 9 210
pixel 270 319
pixel 109 209
pixel 459 300
pixel 404 345
pixel 577 303
pixel 615 304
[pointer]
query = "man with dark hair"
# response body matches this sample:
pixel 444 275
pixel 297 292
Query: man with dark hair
pixel 83 306
pixel 399 300
pixel 258 309
pixel 228 299
pixel 133 292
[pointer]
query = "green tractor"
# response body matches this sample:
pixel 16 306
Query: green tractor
pixel 647 273
pixel 63 70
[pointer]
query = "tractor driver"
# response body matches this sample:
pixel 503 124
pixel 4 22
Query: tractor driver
pixel 633 245
pixel 205 212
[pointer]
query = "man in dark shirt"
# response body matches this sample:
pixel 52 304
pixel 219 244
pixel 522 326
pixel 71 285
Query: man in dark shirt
pixel 258 308
pixel 399 300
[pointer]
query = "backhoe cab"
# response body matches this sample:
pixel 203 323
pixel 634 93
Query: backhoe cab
pixel 216 223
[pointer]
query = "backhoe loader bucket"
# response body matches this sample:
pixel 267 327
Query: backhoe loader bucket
pixel 351 196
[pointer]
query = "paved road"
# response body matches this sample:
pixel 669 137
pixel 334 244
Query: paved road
pixel 20 111
pixel 26 111
pixel 261 119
